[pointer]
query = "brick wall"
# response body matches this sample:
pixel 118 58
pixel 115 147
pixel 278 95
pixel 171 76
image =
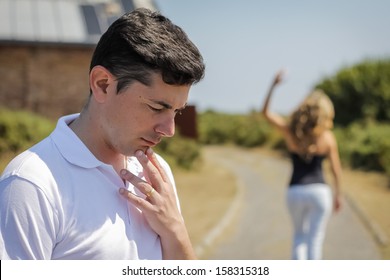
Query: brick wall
pixel 49 80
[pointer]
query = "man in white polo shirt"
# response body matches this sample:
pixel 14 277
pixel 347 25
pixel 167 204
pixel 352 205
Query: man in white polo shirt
pixel 94 189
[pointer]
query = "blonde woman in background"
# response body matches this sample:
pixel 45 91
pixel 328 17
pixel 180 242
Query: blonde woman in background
pixel 309 140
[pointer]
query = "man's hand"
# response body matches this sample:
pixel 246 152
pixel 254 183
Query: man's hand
pixel 159 206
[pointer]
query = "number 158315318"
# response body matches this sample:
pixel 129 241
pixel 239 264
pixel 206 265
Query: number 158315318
pixel 250 270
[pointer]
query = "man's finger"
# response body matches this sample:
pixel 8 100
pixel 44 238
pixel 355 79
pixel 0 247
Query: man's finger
pixel 140 184
pixel 139 202
pixel 151 171
pixel 153 158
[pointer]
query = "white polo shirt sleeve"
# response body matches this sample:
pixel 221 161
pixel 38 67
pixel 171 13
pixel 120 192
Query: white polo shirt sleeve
pixel 29 228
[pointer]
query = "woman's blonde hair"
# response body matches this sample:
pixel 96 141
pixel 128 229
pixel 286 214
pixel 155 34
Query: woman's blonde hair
pixel 313 116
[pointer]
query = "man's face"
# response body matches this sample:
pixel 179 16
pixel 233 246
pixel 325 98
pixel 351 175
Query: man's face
pixel 139 116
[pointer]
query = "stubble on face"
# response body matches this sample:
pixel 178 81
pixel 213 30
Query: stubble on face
pixel 137 112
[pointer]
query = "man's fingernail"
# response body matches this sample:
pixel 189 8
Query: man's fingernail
pixel 139 153
pixel 123 172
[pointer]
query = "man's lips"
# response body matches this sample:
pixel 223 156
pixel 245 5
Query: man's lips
pixel 151 142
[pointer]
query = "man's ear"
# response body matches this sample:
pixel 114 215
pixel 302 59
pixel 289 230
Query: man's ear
pixel 99 79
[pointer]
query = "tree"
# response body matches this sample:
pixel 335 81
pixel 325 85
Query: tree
pixel 360 92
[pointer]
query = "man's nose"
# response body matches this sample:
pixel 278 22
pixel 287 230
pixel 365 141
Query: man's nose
pixel 166 126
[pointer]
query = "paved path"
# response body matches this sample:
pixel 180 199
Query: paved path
pixel 260 227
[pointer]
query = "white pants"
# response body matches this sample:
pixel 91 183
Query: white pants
pixel 310 207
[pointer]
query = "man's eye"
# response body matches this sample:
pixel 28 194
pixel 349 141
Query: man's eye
pixel 155 109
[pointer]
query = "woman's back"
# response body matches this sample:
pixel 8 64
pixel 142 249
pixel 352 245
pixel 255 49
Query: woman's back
pixel 306 171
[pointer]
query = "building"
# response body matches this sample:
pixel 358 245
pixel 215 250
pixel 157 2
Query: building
pixel 46 47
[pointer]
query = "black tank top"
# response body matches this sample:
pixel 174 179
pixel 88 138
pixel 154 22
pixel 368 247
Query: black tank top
pixel 307 172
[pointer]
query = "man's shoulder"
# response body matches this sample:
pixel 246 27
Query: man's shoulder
pixel 31 161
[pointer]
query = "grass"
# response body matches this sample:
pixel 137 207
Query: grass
pixel 205 195
pixel 371 192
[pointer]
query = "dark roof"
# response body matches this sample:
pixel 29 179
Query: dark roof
pixel 79 22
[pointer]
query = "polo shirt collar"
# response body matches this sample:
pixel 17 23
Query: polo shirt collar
pixel 70 145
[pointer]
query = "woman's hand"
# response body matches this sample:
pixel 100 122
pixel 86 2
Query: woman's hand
pixel 159 206
pixel 274 118
pixel 337 203
pixel 279 77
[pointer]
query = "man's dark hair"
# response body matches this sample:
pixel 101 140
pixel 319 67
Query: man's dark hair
pixel 142 42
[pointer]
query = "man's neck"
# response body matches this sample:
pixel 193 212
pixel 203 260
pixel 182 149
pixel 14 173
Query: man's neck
pixel 88 131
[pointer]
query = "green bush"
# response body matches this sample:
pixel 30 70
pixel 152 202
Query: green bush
pixel 365 146
pixel 243 130
pixel 180 151
pixel 360 92
pixel 251 130
pixel 215 128
pixel 20 129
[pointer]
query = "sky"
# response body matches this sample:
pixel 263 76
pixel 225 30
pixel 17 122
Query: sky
pixel 244 43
